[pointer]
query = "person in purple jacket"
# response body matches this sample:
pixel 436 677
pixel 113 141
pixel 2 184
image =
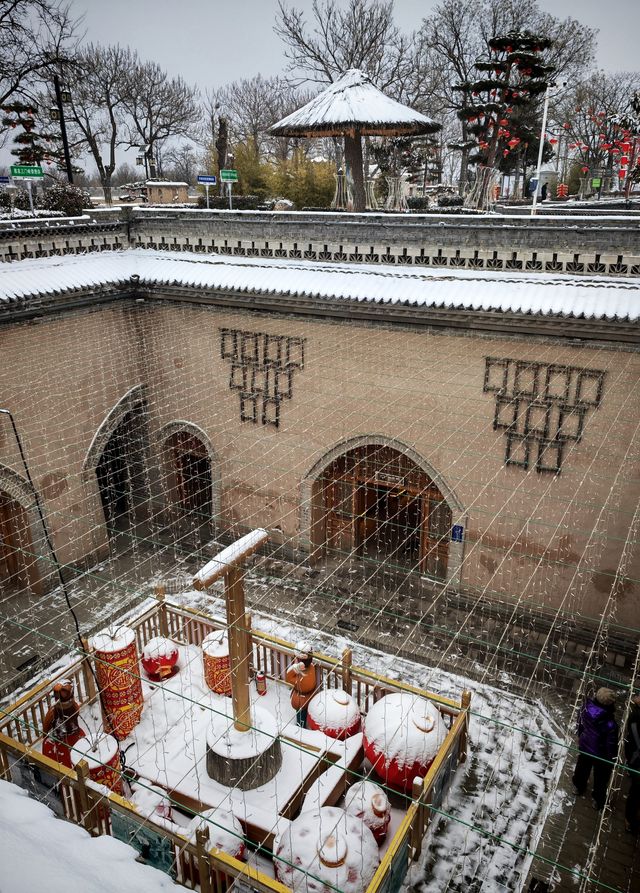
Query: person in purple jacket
pixel 598 744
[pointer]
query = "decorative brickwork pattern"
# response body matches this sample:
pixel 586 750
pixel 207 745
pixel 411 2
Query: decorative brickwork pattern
pixel 262 368
pixel 541 407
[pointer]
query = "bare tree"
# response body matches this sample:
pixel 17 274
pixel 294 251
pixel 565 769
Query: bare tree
pixel 98 81
pixel 361 35
pixel 182 163
pixel 34 35
pixel 158 108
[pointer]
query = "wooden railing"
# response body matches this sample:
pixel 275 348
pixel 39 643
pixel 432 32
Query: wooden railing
pixel 21 728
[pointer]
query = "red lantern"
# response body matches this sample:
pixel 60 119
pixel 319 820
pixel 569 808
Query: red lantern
pixel 503 122
pixel 505 152
pixel 584 169
pixel 622 174
pixel 553 141
pixel 566 125
pixel 513 142
pixel 624 160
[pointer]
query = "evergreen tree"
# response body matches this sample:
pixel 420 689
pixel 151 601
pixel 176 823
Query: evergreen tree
pixel 33 145
pixel 507 87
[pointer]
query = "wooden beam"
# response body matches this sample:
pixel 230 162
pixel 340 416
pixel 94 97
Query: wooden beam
pixel 234 595
pixel 230 557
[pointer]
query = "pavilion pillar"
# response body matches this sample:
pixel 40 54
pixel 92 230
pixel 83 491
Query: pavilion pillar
pixel 353 164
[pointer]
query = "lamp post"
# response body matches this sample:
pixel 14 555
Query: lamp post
pixel 63 96
pixel 545 112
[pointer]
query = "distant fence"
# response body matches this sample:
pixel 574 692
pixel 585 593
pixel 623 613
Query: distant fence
pixel 73 794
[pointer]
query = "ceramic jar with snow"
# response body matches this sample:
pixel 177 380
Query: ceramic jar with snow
pixel 402 735
pixel 118 674
pixel 367 801
pixel 225 831
pixel 334 712
pixel 160 658
pixel 326 848
pixel 102 755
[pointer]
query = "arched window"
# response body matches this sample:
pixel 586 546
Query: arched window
pixel 190 482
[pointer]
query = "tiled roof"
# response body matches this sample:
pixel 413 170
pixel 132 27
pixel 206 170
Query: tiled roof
pixel 556 295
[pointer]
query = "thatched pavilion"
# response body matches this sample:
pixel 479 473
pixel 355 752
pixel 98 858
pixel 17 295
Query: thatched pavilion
pixel 353 107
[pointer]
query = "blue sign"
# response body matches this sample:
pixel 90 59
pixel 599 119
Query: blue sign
pixel 5 181
pixel 211 179
pixel 457 532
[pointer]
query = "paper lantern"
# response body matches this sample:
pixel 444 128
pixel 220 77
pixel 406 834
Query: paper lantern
pixel 103 759
pixel 217 664
pixel 225 831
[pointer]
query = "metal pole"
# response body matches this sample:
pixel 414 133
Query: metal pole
pixel 230 200
pixel 63 128
pixel 541 149
pixel 206 186
pixel 30 197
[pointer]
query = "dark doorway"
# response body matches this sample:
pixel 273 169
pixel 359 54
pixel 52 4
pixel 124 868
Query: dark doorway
pixel 190 475
pixel 18 563
pixel 375 502
pixel 121 470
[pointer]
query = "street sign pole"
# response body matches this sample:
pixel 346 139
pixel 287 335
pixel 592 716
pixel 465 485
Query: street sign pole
pixel 33 213
pixel 230 184
pixel 206 186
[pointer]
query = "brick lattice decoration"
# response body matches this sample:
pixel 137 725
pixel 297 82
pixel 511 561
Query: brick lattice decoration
pixel 262 367
pixel 541 407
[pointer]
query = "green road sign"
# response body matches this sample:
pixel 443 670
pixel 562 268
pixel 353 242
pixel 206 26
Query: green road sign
pixel 26 170
pixel 229 176
pixel 596 182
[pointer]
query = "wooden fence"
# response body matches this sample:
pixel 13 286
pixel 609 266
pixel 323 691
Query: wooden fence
pixel 73 795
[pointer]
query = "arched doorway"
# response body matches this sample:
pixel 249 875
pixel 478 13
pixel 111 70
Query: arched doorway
pixel 121 469
pixel 18 562
pixel 190 482
pixel 376 502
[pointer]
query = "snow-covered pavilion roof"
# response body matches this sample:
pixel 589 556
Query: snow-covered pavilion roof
pixel 551 295
pixel 352 103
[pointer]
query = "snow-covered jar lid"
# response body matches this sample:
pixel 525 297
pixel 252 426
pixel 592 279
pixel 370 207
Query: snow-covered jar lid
pixel 216 644
pixel 367 801
pixel 334 708
pixel 98 752
pixel 405 728
pixel 151 801
pixel 159 647
pixel 225 830
pixel 113 640
pixel 326 846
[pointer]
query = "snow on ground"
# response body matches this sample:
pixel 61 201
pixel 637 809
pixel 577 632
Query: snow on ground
pixel 503 790
pixel 41 852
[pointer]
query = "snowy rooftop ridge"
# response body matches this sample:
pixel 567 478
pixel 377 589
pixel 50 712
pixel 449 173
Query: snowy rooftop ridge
pixel 589 297
pixel 353 101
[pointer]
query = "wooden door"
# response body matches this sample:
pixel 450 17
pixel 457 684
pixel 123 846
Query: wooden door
pixel 340 508
pixel 15 543
pixel 435 534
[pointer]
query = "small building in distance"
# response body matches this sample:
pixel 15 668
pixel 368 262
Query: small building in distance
pixel 166 192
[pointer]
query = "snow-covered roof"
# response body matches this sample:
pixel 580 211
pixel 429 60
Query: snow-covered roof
pixel 353 102
pixel 591 297
pixel 166 183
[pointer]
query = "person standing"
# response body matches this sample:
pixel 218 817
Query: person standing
pixel 598 744
pixel 632 756
pixel 303 677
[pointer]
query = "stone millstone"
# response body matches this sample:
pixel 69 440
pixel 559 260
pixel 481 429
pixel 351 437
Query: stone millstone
pixel 243 760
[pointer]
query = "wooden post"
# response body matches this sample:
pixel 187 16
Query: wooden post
pixel 347 679
pixel 5 771
pixel 463 747
pixel 248 641
pixel 82 774
pixel 202 844
pixel 162 610
pixel 87 675
pixel 234 595
pixel 417 790
pixel 228 564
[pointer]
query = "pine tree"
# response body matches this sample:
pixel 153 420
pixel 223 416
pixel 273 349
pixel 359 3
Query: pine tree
pixel 507 86
pixel 33 145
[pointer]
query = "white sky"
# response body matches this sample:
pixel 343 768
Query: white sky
pixel 210 42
